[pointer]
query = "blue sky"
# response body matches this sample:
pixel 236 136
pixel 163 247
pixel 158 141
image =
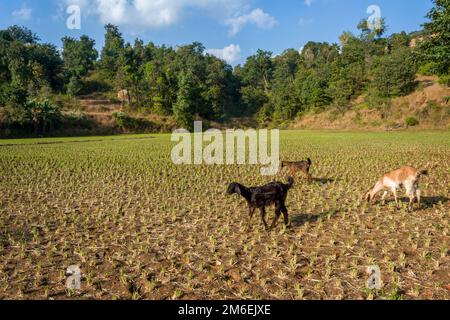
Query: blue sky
pixel 231 29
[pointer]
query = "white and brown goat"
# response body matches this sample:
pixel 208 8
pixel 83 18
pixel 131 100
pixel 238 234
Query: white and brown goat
pixel 407 177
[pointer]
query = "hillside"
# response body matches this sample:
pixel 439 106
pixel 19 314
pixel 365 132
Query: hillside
pixel 429 104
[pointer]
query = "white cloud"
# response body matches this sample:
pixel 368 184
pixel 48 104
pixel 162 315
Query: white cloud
pixel 156 13
pixel 24 13
pixel 164 13
pixel 257 16
pixel 308 2
pixel 230 54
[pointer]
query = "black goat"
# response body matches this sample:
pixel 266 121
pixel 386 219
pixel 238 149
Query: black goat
pixel 260 197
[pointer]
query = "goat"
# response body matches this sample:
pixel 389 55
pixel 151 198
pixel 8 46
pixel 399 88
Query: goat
pixel 124 97
pixel 405 176
pixel 260 197
pixel 303 166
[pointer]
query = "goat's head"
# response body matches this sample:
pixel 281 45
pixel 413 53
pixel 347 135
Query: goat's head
pixel 234 188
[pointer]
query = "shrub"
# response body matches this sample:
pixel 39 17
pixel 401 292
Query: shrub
pixel 445 80
pixel 374 101
pixel 78 120
pixel 94 83
pixel 74 86
pixel 128 123
pixel 33 118
pixel 427 69
pixel 411 122
pixel 358 118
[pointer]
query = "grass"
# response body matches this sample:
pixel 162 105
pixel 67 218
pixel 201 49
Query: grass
pixel 142 228
pixel 8 142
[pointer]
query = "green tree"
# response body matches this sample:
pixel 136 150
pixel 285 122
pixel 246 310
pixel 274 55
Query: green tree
pixel 256 77
pixel 26 66
pixel 78 56
pixel 219 90
pixel 159 87
pixel 183 108
pixel 376 30
pixel 399 40
pixel 394 74
pixel 436 47
pixel 112 49
pixel 314 74
pixel 312 88
pixel 318 54
pixel 21 34
pixel 285 102
pixel 131 71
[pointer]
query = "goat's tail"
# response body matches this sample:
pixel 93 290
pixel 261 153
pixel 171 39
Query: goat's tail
pixel 290 182
pixel 309 161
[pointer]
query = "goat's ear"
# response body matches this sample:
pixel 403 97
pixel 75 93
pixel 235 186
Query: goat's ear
pixel 238 189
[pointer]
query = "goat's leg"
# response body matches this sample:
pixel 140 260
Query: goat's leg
pixel 251 211
pixel 308 176
pixel 419 196
pixel 411 201
pixel 383 198
pixel 411 195
pixel 263 217
pixel 285 215
pixel 275 219
pixel 394 191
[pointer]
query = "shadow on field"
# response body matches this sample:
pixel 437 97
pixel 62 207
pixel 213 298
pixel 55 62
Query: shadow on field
pixel 323 180
pixel 301 219
pixel 429 202
pixel 426 202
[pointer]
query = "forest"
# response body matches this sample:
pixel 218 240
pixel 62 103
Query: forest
pixel 38 80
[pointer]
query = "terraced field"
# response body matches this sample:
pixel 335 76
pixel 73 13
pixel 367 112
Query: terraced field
pixel 140 227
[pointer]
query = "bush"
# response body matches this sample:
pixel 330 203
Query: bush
pixel 78 120
pixel 445 80
pixel 74 86
pixel 411 122
pixel 95 83
pixel 130 124
pixel 33 118
pixel 427 69
pixel 374 101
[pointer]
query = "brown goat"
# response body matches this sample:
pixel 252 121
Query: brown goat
pixel 407 177
pixel 294 167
